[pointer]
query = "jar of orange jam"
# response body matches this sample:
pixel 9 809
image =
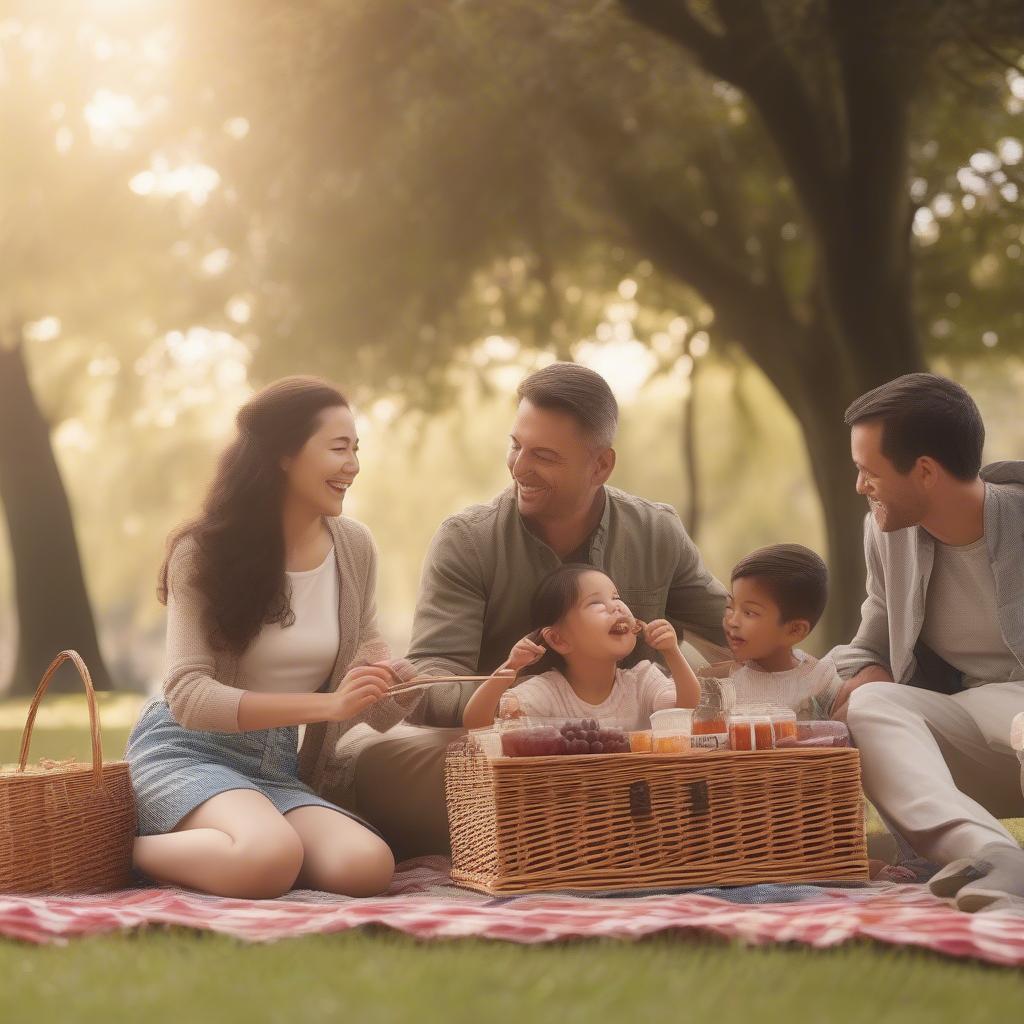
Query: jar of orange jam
pixel 751 732
pixel 784 725
pixel 708 726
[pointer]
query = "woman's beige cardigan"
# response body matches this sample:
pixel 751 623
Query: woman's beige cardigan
pixel 203 688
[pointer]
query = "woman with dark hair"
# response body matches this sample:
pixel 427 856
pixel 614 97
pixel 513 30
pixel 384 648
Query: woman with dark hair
pixel 271 625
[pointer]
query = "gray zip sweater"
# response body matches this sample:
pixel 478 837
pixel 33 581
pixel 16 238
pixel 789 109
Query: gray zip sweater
pixel 899 565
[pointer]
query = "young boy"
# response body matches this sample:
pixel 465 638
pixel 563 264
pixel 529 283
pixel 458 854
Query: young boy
pixel 778 595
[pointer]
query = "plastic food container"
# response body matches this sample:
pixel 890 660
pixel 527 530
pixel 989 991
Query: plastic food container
pixel 818 734
pixel 533 740
pixel 671 730
pixel 641 741
pixel 674 719
pixel 671 743
pixel 783 724
pixel 751 731
pixel 551 737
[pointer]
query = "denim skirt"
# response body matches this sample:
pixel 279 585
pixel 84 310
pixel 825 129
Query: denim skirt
pixel 174 769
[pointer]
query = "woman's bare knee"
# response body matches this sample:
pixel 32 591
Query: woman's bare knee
pixel 235 844
pixel 366 870
pixel 267 867
pixel 342 855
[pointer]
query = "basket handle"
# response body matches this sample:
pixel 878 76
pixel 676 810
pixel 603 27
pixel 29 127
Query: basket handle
pixel 94 721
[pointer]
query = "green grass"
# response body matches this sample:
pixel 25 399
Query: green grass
pixel 377 976
pixel 176 977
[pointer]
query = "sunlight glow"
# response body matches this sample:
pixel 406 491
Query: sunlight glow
pixel 190 369
pixel 194 180
pixel 700 344
pixel 626 365
pixel 239 309
pixel 237 127
pixel 215 262
pixel 45 329
pixel 1010 151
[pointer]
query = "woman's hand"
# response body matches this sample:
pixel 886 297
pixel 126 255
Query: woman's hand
pixel 526 652
pixel 661 635
pixel 401 670
pixel 362 687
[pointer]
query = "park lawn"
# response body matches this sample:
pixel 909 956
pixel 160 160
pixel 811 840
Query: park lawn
pixel 380 977
pixel 371 976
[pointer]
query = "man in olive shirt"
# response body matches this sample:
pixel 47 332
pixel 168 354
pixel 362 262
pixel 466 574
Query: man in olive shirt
pixel 484 564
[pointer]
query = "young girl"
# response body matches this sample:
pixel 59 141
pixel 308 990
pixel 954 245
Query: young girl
pixel 586 631
pixel 270 602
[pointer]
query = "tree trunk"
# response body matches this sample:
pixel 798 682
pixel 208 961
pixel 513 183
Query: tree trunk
pixel 819 396
pixel 691 514
pixel 52 603
pixel 828 448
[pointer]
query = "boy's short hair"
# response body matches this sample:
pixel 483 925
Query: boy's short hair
pixel 795 576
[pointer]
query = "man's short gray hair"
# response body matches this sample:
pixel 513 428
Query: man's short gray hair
pixel 582 393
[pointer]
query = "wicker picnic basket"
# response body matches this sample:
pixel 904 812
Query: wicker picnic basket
pixel 66 827
pixel 628 821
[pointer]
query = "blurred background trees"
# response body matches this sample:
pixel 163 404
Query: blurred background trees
pixel 743 213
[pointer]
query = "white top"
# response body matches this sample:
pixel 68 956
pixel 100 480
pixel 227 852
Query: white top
pixel 961 618
pixel 300 657
pixel 636 692
pixel 809 689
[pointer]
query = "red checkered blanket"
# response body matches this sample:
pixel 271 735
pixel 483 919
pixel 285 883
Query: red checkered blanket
pixel 423 902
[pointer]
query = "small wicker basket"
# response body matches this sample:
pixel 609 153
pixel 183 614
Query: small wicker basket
pixel 629 821
pixel 67 827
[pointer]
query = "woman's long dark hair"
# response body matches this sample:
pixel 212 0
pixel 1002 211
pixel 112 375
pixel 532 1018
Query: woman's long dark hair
pixel 240 559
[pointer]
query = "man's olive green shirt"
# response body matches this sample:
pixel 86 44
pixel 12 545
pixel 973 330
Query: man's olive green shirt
pixel 484 564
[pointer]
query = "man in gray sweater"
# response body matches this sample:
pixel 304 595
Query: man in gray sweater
pixel 485 562
pixel 935 673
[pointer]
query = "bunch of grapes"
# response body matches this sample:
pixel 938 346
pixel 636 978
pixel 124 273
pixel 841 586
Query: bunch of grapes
pixel 587 737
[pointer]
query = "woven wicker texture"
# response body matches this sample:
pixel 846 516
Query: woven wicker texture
pixel 625 821
pixel 67 827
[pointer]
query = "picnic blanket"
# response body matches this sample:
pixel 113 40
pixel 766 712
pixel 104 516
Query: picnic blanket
pixel 423 902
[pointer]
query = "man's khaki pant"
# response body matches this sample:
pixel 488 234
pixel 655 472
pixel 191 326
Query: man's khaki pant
pixel 399 789
pixel 940 768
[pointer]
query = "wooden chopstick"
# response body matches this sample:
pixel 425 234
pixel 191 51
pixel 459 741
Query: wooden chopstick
pixel 419 681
